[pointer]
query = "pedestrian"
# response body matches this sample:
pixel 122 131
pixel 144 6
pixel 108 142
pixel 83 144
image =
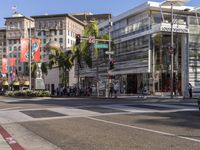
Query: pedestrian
pixel 116 87
pixel 140 90
pixel 174 85
pixel 57 91
pixel 110 90
pixel 190 89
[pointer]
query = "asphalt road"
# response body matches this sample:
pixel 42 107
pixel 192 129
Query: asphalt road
pixel 102 124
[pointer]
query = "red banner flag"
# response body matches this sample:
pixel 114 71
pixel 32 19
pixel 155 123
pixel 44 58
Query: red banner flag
pixel 35 50
pixel 13 62
pixel 4 65
pixel 24 50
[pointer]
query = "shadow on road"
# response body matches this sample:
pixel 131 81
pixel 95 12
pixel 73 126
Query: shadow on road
pixel 190 119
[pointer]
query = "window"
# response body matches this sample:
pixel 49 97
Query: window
pixel 55 39
pixel 20 68
pixel 61 32
pixel 60 40
pixel 15 48
pixel 39 33
pixel 44 41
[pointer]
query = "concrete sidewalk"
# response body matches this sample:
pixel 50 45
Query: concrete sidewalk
pixel 3 144
pixel 7 141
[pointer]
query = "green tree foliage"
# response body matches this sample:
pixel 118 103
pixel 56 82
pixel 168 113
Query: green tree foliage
pixel 44 69
pixel 83 51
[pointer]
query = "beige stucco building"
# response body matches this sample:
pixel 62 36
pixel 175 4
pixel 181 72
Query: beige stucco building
pixel 61 28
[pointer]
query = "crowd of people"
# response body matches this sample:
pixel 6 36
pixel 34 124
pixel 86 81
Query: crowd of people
pixel 73 91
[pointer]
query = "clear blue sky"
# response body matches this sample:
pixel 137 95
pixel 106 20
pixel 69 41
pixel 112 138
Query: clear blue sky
pixel 39 7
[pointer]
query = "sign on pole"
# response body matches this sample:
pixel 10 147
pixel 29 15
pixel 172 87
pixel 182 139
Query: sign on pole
pixel 100 45
pixel 110 52
pixel 91 39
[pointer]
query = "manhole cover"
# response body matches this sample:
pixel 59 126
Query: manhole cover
pixel 42 113
pixel 102 110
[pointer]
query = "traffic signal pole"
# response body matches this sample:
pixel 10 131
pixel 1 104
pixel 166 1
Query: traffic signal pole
pixel 109 55
pixel 94 41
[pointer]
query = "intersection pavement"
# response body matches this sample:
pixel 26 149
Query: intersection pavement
pixel 21 117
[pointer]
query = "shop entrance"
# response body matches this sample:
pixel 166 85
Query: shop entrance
pixel 132 83
pixel 162 63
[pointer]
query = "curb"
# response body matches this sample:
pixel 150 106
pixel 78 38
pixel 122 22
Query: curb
pixel 10 140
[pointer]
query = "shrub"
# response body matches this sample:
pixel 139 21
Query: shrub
pixel 28 93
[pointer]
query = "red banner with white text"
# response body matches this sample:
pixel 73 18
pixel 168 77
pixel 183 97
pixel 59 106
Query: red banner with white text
pixel 4 65
pixel 24 56
pixel 35 49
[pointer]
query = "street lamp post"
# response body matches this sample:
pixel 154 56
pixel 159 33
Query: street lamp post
pixel 172 53
pixel 109 55
pixel 172 3
pixel 30 55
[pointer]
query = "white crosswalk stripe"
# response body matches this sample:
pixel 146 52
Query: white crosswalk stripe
pixel 15 114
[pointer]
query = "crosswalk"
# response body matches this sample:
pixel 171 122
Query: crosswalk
pixel 14 115
pixel 18 114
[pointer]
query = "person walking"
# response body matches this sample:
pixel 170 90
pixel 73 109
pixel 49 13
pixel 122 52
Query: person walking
pixel 190 89
pixel 110 90
pixel 116 87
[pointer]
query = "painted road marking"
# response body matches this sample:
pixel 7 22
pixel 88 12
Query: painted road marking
pixel 145 129
pixel 10 108
pixel 10 140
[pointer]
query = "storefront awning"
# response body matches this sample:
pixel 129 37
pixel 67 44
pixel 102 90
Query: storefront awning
pixel 16 83
pixel 5 83
pixel 26 83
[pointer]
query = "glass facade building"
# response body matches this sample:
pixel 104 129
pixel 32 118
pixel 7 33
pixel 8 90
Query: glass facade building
pixel 142 46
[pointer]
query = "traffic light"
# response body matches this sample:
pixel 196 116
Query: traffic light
pixel 78 39
pixel 111 67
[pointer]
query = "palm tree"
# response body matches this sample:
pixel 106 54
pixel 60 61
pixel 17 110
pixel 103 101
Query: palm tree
pixel 58 58
pixel 63 61
pixel 81 52
pixel 43 68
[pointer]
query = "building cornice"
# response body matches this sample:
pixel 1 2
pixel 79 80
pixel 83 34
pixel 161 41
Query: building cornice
pixel 29 18
pixel 59 15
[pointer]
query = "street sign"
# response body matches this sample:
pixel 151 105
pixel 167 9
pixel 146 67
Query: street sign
pixel 110 52
pixel 91 39
pixel 100 45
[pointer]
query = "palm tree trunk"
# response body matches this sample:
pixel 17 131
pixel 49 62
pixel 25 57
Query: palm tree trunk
pixel 65 77
pixel 78 78
pixel 97 74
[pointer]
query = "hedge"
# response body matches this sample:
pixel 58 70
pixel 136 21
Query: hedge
pixel 28 93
